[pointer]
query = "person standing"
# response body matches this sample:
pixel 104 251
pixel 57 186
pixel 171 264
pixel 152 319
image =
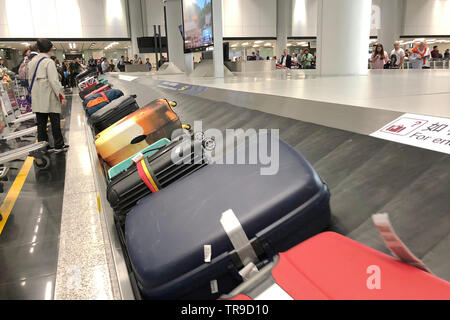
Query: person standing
pixel 435 52
pixel 23 68
pixel 137 60
pixel 447 54
pixel 252 57
pixel 307 59
pixel 75 69
pixel 91 63
pixel 112 66
pixel 46 94
pixel 399 55
pixel 286 59
pixel 258 56
pixel 121 64
pixel 148 64
pixel 66 75
pixel 105 65
pixel 422 56
pixel 379 57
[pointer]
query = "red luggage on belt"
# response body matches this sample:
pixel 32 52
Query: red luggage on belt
pixel 331 266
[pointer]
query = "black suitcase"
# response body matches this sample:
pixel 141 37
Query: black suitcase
pixel 85 74
pixel 128 187
pixel 85 92
pixel 201 237
pixel 113 112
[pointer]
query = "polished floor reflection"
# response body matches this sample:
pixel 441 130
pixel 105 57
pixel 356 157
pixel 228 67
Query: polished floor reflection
pixel 30 239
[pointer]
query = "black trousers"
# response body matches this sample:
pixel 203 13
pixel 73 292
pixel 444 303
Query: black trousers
pixel 73 82
pixel 55 121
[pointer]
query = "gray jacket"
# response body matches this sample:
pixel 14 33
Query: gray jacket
pixel 46 88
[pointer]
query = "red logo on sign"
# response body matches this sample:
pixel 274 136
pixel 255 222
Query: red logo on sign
pixel 396 129
pixel 404 126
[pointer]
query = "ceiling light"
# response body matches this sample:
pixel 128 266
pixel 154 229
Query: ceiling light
pixel 26 44
pixel 245 44
pixel 258 41
pixel 234 45
pixel 268 44
pixel 289 45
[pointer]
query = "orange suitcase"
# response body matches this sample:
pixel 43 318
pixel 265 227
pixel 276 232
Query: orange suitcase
pixel 137 131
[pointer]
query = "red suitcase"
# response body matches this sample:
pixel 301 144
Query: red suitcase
pixel 330 266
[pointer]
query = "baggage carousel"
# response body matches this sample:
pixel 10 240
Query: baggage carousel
pixel 366 175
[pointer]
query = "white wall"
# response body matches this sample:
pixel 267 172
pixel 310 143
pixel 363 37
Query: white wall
pixel 427 17
pixel 155 16
pixel 249 18
pixel 63 19
pixel 304 18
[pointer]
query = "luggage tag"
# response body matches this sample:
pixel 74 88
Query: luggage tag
pixel 137 157
pixel 395 245
pixel 207 252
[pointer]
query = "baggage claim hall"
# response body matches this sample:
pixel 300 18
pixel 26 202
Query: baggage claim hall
pixel 225 150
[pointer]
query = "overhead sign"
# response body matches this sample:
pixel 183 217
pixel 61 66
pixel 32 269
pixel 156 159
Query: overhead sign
pixel 421 131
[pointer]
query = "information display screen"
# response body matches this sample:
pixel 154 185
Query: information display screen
pixel 197 25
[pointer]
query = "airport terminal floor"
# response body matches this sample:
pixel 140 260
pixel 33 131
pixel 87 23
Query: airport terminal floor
pixel 59 238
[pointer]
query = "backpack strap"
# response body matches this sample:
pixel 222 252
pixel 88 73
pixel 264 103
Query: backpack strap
pixel 34 75
pixel 144 177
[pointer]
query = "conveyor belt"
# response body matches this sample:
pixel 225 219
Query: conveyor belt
pixel 366 175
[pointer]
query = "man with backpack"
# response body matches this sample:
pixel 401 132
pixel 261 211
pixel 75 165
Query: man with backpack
pixel 46 94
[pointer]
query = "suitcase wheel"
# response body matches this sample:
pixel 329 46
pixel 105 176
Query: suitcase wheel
pixel 186 126
pixel 209 144
pixel 173 104
pixel 43 162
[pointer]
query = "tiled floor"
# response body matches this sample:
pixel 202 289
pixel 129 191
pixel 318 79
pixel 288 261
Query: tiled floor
pixel 82 272
pixel 29 242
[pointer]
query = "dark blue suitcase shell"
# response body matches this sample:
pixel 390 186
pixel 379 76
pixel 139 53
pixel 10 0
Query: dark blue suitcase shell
pixel 166 231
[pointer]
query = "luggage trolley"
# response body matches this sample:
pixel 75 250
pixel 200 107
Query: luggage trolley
pixel 12 121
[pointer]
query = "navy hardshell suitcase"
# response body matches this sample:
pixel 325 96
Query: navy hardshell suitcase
pixel 179 247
